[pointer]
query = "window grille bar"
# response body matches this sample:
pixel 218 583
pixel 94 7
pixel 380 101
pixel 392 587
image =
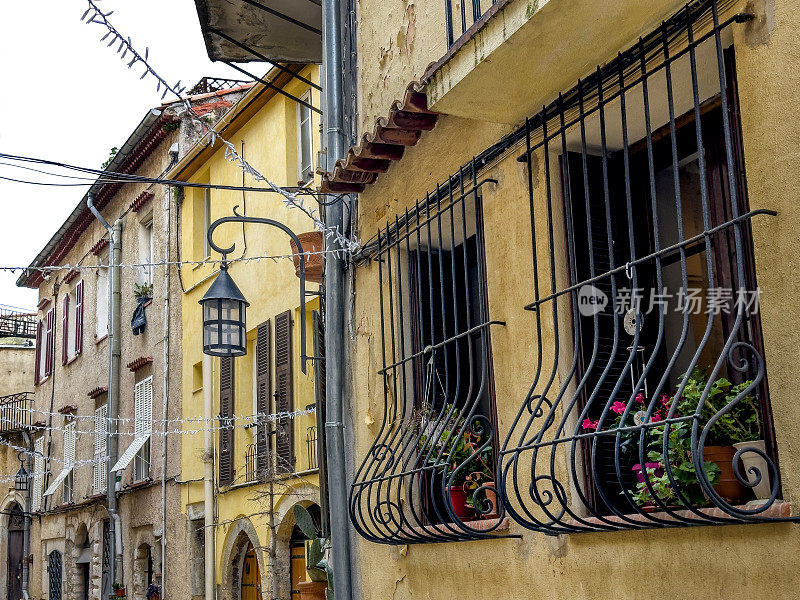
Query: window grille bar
pixel 437 429
pixel 627 184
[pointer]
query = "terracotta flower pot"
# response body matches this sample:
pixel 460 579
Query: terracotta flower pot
pixel 728 486
pixel 312 590
pixel 458 500
pixel 751 459
pixel 311 241
pixel 491 496
pixel 120 593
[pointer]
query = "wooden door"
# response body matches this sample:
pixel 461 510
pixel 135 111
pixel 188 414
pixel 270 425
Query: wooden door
pixel 297 565
pixel 251 577
pixel 16 526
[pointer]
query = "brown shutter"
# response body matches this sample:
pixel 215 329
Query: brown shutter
pixel 50 323
pixel 64 329
pixel 37 375
pixel 79 318
pixel 284 437
pixel 262 397
pixel 226 432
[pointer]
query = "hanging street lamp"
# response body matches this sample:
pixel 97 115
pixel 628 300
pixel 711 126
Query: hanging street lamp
pixel 224 305
pixel 21 480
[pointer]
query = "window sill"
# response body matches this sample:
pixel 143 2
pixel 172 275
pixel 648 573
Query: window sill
pixel 495 525
pixel 98 340
pixel 779 510
pixel 136 485
pixel 71 360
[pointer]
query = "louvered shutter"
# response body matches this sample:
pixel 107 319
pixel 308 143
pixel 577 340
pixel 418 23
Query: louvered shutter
pixel 262 397
pixel 64 331
pixel 284 439
pixel 69 444
pixel 143 407
pixel 49 341
pixel 226 395
pixel 100 465
pixel 37 368
pixel 38 474
pixel 79 318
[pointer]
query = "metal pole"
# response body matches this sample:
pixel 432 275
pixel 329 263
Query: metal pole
pixel 208 476
pixel 114 358
pixel 26 533
pixel 335 303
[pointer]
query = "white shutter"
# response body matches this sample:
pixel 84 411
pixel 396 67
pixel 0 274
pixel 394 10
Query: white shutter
pixel 69 458
pixel 69 444
pixel 143 417
pixel 100 449
pixel 38 474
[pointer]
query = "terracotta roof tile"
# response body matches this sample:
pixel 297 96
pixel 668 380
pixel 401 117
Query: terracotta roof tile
pixel 407 119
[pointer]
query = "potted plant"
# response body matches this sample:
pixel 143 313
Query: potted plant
pixel 740 424
pixel 319 571
pixel 464 448
pixel 143 291
pixel 119 590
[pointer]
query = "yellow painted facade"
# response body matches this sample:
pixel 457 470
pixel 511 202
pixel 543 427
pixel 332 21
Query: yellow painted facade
pixel 543 48
pixel 263 126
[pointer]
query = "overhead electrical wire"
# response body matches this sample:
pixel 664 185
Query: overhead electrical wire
pixel 94 15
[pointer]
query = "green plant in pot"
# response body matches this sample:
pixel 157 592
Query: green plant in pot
pixel 445 443
pixel 119 589
pixel 143 290
pixel 319 571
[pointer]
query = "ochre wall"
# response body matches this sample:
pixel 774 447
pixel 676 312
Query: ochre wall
pixel 739 561
pixel 271 287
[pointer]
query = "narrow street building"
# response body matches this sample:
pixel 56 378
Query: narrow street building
pixel 75 452
pixel 264 404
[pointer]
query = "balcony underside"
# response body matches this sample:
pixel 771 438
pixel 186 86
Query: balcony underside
pixel 526 52
pixel 279 30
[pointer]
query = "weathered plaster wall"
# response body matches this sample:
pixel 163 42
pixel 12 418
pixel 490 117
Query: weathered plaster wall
pixel 16 368
pixel 753 561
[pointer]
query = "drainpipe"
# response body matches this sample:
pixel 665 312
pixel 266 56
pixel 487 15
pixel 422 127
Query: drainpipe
pixel 26 533
pixel 114 358
pixel 165 399
pixel 335 302
pixel 208 477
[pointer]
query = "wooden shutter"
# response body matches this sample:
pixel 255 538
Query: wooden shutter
pixel 226 432
pixel 262 397
pixel 37 368
pixel 284 439
pixel 79 318
pixel 64 331
pixel 50 322
pixel 100 465
pixel 69 444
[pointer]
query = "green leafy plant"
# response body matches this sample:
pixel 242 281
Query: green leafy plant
pixel 317 567
pixel 448 445
pixel 143 290
pixel 111 154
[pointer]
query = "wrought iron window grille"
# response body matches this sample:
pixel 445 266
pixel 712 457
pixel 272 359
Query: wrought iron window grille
pixel 643 184
pixel 429 475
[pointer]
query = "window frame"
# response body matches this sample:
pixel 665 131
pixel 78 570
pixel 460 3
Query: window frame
pixel 305 120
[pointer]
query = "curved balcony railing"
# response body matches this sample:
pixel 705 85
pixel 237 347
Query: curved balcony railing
pixel 16 411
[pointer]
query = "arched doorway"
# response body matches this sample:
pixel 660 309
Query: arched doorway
pixel 251 577
pixel 16 527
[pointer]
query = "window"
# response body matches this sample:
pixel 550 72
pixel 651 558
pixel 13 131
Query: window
pixel 305 141
pixel 139 449
pixel 647 285
pixel 146 251
pixel 436 440
pixel 54 575
pixel 144 418
pixel 72 324
pixel 100 466
pixel 206 222
pixel 102 288
pixel 45 339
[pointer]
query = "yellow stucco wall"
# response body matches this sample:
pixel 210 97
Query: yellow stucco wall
pixel 268 141
pixel 741 561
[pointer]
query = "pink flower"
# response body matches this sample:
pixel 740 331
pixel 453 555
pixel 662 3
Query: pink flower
pixel 589 424
pixel 618 407
pixel 665 400
pixel 639 398
pixel 655 418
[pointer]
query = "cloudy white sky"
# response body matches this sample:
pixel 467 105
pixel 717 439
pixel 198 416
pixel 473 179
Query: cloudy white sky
pixel 67 97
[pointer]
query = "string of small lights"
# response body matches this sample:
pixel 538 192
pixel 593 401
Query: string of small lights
pixel 94 15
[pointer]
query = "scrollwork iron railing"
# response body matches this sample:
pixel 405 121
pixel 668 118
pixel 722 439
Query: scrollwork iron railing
pixel 16 412
pixel 636 402
pixel 429 475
